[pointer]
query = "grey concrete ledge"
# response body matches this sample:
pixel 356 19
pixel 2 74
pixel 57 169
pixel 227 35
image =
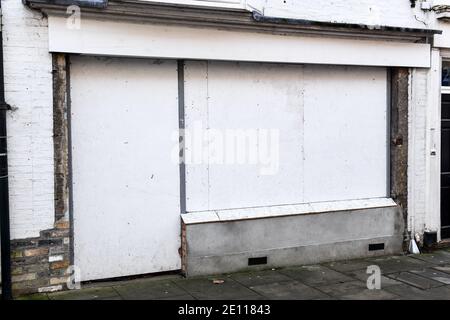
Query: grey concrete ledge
pixel 284 210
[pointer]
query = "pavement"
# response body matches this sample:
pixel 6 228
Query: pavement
pixel 405 277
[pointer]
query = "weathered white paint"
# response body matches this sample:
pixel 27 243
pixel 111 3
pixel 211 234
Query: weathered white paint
pixel 371 12
pixel 441 40
pixel 326 116
pixel 424 148
pixel 285 210
pixel 28 89
pixel 433 146
pixel 146 40
pixel 125 186
pixel 417 151
pixel 55 258
pixel 434 20
pixel 50 288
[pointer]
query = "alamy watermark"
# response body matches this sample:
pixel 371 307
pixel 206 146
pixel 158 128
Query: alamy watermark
pixel 253 146
pixel 74 277
pixel 73 21
pixel 374 280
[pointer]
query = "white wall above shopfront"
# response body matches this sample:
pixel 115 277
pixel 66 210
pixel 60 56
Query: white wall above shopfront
pixel 121 38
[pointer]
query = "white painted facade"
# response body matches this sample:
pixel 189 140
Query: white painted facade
pixel 370 12
pixel 28 89
pixel 29 38
pixel 424 170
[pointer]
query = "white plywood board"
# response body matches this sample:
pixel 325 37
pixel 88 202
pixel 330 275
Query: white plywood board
pixel 124 113
pixel 196 113
pixel 258 106
pixel 116 38
pixel 345 133
pixel 331 124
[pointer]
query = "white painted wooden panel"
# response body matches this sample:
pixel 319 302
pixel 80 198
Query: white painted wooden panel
pixel 345 133
pixel 125 186
pixel 146 40
pixel 247 99
pixel 332 132
pixel 196 114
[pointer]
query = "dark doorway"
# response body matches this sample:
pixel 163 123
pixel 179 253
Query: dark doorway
pixel 445 167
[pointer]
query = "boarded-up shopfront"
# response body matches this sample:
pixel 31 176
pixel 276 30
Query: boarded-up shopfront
pixel 213 141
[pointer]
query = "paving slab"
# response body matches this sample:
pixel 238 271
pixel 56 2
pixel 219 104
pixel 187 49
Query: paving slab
pixel 406 292
pixel 415 280
pixel 434 274
pixel 315 275
pixel 438 257
pixel 350 265
pixel 111 298
pixel 375 294
pixel 148 290
pixel 362 275
pixel 183 297
pixel 290 290
pixel 444 268
pixel 204 288
pixel 395 264
pixel 85 294
pixel 338 290
pixel 442 293
pixel 259 278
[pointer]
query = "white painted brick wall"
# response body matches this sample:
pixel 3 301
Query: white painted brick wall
pixel 417 150
pixel 28 89
pixel 372 12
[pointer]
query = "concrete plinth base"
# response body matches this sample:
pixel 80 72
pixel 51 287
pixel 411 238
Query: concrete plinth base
pixel 221 242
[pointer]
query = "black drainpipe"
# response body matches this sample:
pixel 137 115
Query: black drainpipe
pixel 4 194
